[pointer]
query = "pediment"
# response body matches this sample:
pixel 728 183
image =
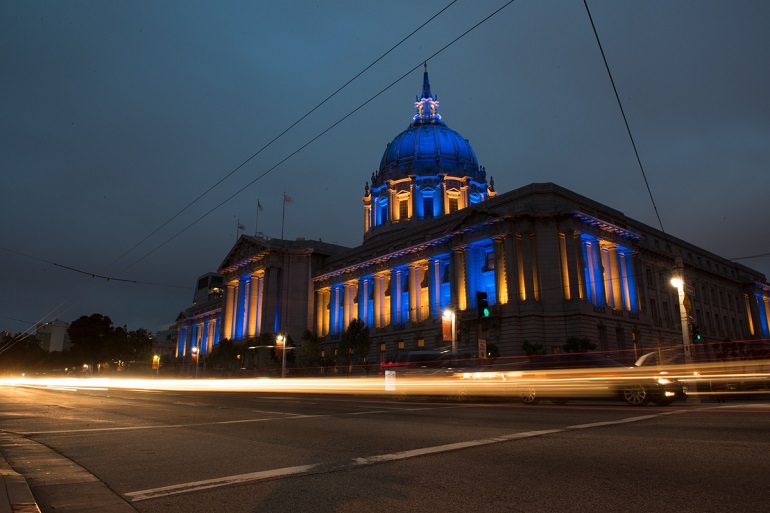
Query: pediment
pixel 245 249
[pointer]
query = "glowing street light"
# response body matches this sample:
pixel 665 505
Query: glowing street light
pixel 677 280
pixel 281 341
pixel 195 351
pixel 450 315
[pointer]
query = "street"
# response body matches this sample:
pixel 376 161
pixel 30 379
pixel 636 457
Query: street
pixel 104 449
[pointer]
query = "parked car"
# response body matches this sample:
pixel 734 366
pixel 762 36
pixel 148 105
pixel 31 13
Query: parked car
pixel 565 376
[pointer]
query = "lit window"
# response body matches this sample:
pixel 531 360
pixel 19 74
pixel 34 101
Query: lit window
pixel 403 209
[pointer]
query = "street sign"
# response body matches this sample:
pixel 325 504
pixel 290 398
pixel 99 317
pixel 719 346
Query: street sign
pixel 482 348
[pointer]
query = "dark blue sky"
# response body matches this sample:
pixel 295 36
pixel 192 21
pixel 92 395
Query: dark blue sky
pixel 114 116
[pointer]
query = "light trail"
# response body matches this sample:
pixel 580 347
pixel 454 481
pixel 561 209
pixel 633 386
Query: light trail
pixel 716 378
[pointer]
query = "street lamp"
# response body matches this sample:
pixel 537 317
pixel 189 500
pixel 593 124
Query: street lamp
pixel 281 340
pixel 677 280
pixel 450 315
pixel 156 364
pixel 195 355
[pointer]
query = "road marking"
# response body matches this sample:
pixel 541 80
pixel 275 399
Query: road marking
pixel 164 491
pixel 167 426
pixel 287 416
pixel 155 493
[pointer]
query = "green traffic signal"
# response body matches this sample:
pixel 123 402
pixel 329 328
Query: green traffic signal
pixel 482 304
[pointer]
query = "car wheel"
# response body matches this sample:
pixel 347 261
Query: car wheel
pixel 636 395
pixel 528 395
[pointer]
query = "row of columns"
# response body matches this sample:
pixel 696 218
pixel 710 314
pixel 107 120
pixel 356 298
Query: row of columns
pixel 203 334
pixel 338 304
pixel 384 205
pixel 251 305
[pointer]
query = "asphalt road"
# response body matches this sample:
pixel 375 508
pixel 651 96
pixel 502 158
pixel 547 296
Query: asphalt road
pixel 109 450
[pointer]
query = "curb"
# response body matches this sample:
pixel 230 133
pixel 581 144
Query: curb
pixel 15 495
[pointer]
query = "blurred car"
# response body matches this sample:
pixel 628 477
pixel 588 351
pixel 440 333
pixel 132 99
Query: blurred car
pixel 431 362
pixel 719 369
pixel 565 376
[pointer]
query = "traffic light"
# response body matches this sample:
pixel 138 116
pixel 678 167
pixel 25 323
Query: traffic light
pixel 695 332
pixel 482 304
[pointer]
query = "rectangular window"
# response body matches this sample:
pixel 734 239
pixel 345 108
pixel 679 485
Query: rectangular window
pixel 452 205
pixel 403 210
pixel 427 207
pixel 603 337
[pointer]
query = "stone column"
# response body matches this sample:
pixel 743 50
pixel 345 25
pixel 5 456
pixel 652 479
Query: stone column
pixel 227 315
pixel 253 299
pixel 458 292
pixel 501 274
pixel 413 293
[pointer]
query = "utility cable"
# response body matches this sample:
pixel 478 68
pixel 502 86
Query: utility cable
pixel 625 120
pixel 319 135
pixel 267 145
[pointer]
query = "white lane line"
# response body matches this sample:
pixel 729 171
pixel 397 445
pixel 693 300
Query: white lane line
pixel 167 426
pixel 287 416
pixel 164 491
pixel 155 493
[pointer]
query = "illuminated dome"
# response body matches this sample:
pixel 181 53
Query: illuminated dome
pixel 428 147
pixel 427 171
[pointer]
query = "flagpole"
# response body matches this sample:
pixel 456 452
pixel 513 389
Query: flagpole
pixel 256 225
pixel 283 213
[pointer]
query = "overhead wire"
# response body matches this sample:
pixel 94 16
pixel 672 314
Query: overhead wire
pixel 321 134
pixel 625 119
pixel 112 278
pixel 277 137
pixel 225 177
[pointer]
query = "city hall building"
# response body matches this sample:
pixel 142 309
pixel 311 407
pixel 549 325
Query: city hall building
pixel 437 236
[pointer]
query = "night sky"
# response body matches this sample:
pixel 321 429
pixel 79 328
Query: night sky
pixel 116 116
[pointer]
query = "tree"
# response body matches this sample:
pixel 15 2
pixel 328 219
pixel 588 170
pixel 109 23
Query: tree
pixel 531 349
pixel 21 353
pixel 355 343
pixel 578 345
pixel 89 337
pixel 310 354
pixel 129 347
pixel 224 357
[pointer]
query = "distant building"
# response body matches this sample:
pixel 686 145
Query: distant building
pixel 551 263
pixel 164 343
pixel 198 326
pixel 53 335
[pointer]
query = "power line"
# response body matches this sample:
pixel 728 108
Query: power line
pixel 319 135
pixel 89 273
pixel 267 145
pixel 625 120
pixel 313 139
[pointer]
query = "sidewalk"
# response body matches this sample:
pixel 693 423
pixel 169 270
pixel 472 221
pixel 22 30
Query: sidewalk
pixel 15 495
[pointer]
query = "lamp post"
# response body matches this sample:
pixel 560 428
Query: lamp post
pixel 281 340
pixel 677 281
pixel 450 314
pixel 156 364
pixel 195 351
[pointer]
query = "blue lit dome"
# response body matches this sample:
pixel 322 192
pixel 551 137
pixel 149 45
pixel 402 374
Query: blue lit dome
pixel 428 147
pixel 428 171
